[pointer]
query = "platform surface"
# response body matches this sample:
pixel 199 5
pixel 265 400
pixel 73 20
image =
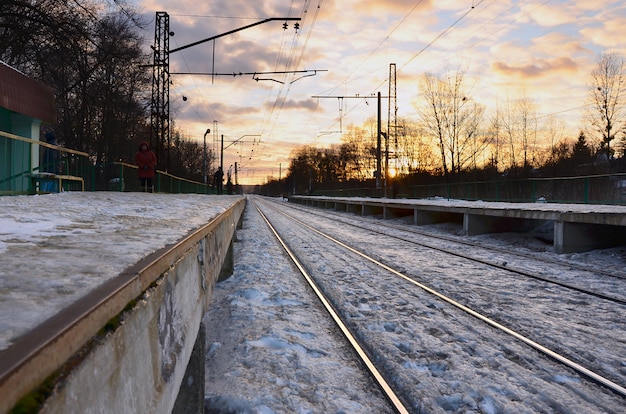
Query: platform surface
pixel 55 248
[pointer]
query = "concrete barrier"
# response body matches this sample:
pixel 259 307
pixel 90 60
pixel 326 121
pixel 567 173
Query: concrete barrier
pixel 131 348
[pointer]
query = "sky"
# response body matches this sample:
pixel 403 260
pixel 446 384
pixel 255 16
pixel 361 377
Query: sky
pixel 544 50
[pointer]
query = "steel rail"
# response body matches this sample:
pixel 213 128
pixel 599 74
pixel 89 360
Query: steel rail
pixel 386 389
pixel 41 351
pixel 497 265
pixel 618 389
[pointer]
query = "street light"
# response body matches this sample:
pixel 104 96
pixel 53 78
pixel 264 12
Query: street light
pixel 208 131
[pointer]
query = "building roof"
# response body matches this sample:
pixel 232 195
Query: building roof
pixel 26 96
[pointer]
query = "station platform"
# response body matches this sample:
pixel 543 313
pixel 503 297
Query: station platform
pixel 577 227
pixel 102 294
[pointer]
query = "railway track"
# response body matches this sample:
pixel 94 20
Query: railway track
pixel 313 236
pixel 457 247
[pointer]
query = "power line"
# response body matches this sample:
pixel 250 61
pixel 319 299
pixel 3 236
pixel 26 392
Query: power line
pixel 281 97
pixel 441 35
pixel 385 39
pixel 311 72
pixel 438 37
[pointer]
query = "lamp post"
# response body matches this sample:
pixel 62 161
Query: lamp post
pixel 208 131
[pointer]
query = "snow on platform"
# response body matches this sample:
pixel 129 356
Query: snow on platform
pixel 55 248
pixel 479 204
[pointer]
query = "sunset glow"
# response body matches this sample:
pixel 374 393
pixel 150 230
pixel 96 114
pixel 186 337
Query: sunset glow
pixel 508 50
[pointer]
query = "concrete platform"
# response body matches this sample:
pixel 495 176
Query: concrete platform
pixel 102 297
pixel 577 227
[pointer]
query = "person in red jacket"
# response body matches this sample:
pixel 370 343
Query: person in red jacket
pixel 146 161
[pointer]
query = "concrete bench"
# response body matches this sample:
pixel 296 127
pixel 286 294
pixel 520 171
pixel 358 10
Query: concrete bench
pixel 37 178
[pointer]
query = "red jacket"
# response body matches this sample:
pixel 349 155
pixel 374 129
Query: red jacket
pixel 146 161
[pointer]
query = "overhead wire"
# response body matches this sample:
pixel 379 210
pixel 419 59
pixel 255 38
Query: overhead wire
pixel 427 46
pixel 449 28
pixel 293 56
pixel 441 35
pixel 400 23
pixel 279 58
pixel 504 26
pixel 193 107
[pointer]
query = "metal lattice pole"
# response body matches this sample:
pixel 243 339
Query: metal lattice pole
pixel 160 138
pixel 392 118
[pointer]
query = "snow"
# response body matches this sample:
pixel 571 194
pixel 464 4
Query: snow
pixel 480 204
pixel 271 349
pixel 441 367
pixel 55 248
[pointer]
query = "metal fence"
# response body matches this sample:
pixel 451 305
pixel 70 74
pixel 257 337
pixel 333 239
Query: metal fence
pixel 24 163
pixel 19 174
pixel 25 167
pixel 592 189
pixel 120 176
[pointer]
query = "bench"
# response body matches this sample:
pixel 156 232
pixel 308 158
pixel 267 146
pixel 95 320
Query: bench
pixel 53 178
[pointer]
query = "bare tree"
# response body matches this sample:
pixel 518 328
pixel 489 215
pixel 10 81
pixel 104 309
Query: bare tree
pixel 413 151
pixel 361 141
pixel 607 105
pixel 93 61
pixel 494 140
pixel 452 118
pixel 553 132
pixel 527 118
pixel 518 121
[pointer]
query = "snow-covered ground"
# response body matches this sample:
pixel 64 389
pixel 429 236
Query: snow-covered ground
pixel 271 350
pixel 439 360
pixel 54 248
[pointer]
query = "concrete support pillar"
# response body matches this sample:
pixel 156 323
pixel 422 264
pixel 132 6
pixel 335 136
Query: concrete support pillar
pixel 190 398
pixel 474 225
pixel 580 237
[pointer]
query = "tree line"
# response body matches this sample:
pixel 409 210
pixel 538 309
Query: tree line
pixel 93 58
pixel 452 139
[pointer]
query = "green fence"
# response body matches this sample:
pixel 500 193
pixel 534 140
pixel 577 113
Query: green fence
pixel 596 189
pixel 25 162
pixel 592 189
pixel 120 176
pixel 25 168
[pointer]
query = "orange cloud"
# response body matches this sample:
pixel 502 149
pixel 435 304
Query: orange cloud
pixel 540 68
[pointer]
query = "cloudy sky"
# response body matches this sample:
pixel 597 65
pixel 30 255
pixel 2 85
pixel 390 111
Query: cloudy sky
pixel 542 49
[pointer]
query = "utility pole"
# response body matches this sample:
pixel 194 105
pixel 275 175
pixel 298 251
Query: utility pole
pixel 160 132
pixel 160 104
pixel 215 142
pixel 238 140
pixel 378 133
pixel 222 155
pixel 392 122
